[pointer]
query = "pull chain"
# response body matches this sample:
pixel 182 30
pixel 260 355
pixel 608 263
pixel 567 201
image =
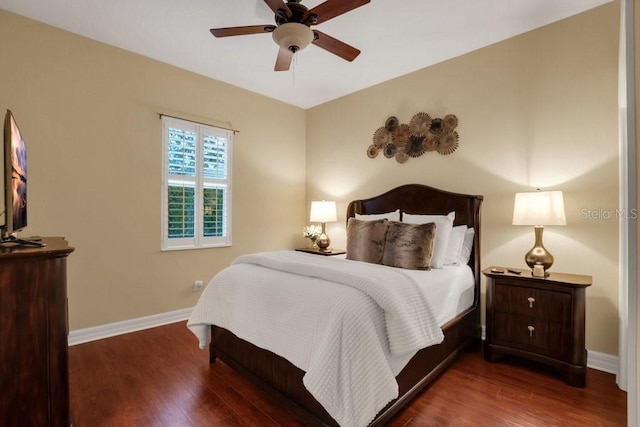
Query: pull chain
pixel 293 71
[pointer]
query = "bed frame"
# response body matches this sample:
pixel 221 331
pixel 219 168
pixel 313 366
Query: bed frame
pixel 278 375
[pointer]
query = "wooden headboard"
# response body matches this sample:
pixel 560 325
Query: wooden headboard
pixel 422 199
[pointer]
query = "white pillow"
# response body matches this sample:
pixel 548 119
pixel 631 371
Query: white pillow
pixel 456 239
pixel 444 224
pixel 467 245
pixel 391 216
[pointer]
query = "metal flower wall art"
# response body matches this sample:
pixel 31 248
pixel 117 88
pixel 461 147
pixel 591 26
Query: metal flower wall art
pixel 421 135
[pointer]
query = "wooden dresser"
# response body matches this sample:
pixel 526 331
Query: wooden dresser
pixel 541 319
pixel 33 335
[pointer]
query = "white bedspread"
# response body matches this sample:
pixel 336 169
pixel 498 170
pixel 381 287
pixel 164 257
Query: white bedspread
pixel 350 326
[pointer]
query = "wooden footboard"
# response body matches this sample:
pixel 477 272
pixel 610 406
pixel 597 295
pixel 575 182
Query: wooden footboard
pixel 270 371
pixel 279 376
pixel 459 335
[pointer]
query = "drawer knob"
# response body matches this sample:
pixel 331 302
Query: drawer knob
pixel 531 329
pixel 531 301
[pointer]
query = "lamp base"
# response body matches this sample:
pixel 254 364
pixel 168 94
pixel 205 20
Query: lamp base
pixel 323 242
pixel 539 255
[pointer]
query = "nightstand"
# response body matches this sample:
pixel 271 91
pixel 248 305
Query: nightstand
pixel 538 318
pixel 317 251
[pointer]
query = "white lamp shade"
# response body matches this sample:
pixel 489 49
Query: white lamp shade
pixel 323 212
pixel 539 208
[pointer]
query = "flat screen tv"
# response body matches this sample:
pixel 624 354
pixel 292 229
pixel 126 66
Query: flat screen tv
pixel 15 184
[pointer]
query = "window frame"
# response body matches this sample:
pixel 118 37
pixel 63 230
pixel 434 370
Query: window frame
pixel 199 182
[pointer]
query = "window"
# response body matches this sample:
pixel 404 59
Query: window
pixel 196 185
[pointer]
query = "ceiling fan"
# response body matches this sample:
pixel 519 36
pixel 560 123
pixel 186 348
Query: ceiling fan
pixel 293 32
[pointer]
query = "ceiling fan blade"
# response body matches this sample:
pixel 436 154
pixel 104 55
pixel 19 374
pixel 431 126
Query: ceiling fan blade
pixel 335 46
pixel 241 31
pixel 283 61
pixel 332 8
pixel 276 5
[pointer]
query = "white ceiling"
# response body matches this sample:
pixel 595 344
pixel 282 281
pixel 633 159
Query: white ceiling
pixel 395 37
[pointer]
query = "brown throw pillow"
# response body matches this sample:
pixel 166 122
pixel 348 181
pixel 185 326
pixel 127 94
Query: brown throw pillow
pixel 409 245
pixel 365 240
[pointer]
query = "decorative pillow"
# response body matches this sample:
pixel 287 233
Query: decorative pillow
pixel 456 239
pixel 444 224
pixel 467 245
pixel 391 216
pixel 365 240
pixel 409 245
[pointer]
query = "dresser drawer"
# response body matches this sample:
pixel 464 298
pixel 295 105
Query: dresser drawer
pixel 551 339
pixel 552 306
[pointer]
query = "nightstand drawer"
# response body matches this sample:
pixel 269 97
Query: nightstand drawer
pixel 529 333
pixel 542 304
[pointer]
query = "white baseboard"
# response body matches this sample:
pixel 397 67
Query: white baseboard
pixel 595 360
pixel 600 361
pixel 80 336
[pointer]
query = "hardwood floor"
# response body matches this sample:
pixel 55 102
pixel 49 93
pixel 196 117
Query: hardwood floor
pixel 159 377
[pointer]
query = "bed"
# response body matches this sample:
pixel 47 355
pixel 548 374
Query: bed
pixel 279 375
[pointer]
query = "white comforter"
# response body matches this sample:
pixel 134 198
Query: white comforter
pixel 350 326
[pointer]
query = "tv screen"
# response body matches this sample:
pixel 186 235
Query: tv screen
pixel 15 178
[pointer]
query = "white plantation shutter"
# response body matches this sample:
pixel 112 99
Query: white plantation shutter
pixel 196 185
pixel 215 174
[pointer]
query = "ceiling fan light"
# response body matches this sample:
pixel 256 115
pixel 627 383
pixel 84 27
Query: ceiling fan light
pixel 293 36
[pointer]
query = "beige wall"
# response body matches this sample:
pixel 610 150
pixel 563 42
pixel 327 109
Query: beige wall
pixel 89 115
pixel 538 110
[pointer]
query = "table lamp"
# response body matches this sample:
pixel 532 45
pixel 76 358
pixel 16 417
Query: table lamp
pixel 539 208
pixel 323 212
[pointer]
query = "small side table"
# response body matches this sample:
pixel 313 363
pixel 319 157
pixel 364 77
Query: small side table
pixel 538 318
pixel 317 251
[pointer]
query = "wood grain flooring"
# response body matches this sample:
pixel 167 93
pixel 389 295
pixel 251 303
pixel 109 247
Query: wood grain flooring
pixel 159 377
